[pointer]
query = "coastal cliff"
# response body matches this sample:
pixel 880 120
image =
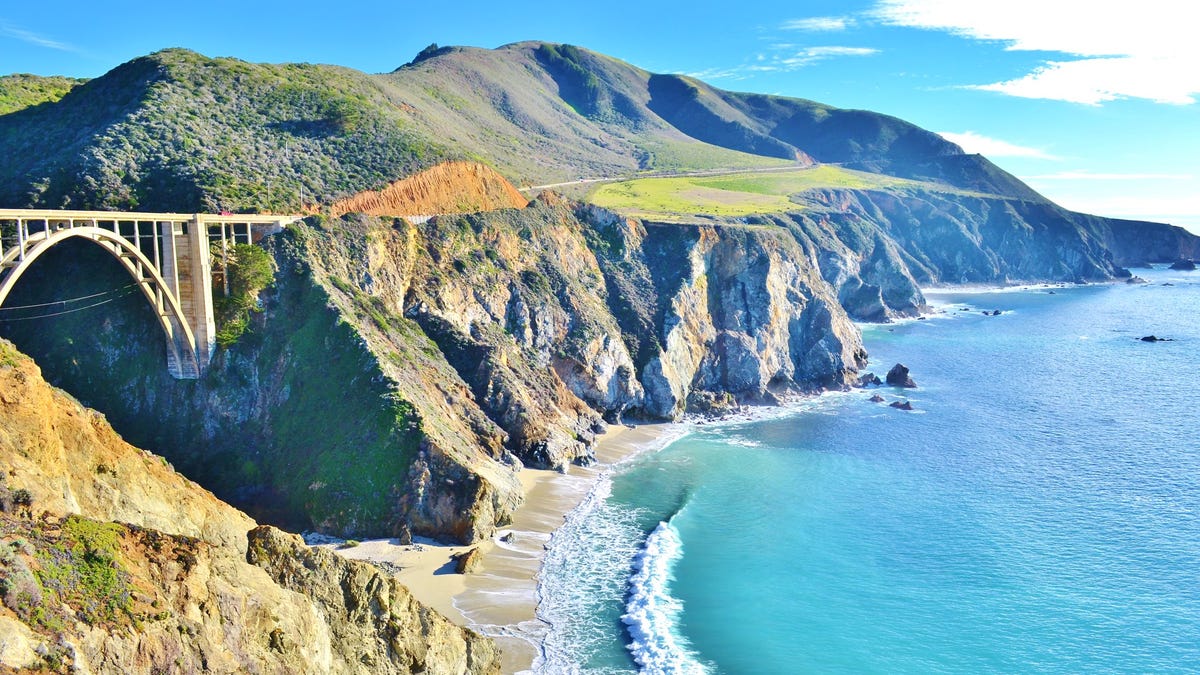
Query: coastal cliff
pixel 439 358
pixel 396 376
pixel 112 562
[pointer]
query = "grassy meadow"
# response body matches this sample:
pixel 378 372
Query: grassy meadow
pixel 732 195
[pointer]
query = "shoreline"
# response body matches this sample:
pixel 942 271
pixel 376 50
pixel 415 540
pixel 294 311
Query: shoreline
pixel 500 598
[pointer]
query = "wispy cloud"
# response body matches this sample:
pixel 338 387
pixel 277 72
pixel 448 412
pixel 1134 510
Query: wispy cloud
pixel 993 147
pixel 30 37
pixel 1143 52
pixel 820 24
pixel 807 55
pixel 782 59
pixel 1088 175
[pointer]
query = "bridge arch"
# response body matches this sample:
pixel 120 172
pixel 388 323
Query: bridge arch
pixel 182 359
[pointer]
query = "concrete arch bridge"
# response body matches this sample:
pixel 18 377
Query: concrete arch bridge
pixel 167 254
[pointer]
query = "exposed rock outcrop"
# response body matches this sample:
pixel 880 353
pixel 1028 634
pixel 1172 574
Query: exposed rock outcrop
pixel 176 588
pixel 375 623
pixel 71 461
pixel 450 187
pixel 869 380
pixel 468 561
pixel 898 377
pixel 736 310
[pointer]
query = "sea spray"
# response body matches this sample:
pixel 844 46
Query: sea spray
pixel 652 613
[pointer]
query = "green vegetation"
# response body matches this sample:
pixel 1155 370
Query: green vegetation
pixel 176 131
pixel 247 270
pixel 683 156
pixel 23 91
pixel 335 443
pixel 179 131
pixel 74 574
pixel 9 356
pixel 577 82
pixel 340 413
pixel 731 195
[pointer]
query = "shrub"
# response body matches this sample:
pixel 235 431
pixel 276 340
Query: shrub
pixel 248 270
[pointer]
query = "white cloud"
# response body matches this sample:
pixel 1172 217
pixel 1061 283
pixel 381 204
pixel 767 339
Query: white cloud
pixel 809 55
pixel 819 24
pixel 1088 175
pixel 1095 81
pixel 992 147
pixel 1146 50
pixel 785 58
pixel 32 38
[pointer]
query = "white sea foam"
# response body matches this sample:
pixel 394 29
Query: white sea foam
pixel 585 568
pixel 652 613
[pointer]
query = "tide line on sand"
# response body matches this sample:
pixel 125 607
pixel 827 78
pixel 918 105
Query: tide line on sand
pixel 500 598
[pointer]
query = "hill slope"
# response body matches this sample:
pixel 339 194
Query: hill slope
pixel 182 582
pixel 175 130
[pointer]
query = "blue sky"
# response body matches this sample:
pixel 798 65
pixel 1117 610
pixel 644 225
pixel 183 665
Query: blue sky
pixel 1095 104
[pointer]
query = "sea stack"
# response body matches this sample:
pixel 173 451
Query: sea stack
pixel 898 377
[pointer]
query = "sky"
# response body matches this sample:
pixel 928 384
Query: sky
pixel 1094 103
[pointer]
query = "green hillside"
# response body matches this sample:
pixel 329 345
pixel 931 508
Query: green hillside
pixel 734 195
pixel 23 90
pixel 178 131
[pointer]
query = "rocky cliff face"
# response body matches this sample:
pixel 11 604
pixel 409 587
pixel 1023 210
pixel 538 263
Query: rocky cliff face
pixel 1137 243
pixel 736 312
pixel 71 461
pixel 450 187
pixel 399 375
pixel 176 586
pixel 876 248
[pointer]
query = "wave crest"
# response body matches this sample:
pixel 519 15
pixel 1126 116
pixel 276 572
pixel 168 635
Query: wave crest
pixel 652 613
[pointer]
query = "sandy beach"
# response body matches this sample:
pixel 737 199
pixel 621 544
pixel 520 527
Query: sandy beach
pixel 500 598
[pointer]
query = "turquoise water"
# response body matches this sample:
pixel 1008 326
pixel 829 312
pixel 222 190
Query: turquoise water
pixel 1038 512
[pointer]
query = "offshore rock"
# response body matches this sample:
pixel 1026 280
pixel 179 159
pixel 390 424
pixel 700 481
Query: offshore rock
pixel 898 377
pixel 1184 265
pixel 869 380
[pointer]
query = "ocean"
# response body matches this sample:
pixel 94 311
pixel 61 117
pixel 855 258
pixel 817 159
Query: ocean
pixel 1037 512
